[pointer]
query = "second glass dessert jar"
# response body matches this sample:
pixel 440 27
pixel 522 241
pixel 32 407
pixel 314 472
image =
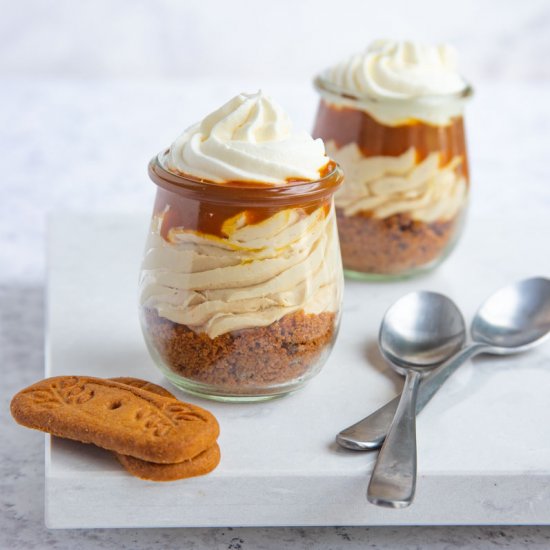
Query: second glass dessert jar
pixel 241 284
pixel 402 205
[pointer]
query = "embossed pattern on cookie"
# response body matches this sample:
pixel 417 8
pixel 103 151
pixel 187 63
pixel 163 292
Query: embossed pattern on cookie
pixel 117 417
pixel 202 464
pixel 143 385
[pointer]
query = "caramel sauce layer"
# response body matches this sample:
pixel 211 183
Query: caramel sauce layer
pixel 347 125
pixel 206 207
pixel 209 218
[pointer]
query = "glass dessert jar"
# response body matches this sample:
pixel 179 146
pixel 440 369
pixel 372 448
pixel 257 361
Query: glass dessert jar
pixel 393 119
pixel 241 282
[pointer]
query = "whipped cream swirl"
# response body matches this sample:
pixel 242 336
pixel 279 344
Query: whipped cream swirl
pixel 401 70
pixel 249 139
pixel 399 82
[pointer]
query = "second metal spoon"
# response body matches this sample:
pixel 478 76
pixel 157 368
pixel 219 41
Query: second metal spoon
pixel 514 319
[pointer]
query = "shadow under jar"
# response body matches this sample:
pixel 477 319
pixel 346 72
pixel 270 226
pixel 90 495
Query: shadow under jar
pixel 241 284
pixel 403 202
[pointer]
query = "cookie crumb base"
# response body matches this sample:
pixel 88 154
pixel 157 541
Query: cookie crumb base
pixel 256 361
pixel 395 246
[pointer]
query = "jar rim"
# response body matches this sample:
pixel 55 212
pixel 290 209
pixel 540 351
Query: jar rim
pixel 324 86
pixel 240 192
pixel 436 110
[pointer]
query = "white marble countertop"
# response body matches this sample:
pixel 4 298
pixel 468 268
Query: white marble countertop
pixel 67 145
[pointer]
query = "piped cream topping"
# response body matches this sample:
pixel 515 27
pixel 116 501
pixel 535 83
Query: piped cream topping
pixel 399 69
pixel 249 139
pixel 399 81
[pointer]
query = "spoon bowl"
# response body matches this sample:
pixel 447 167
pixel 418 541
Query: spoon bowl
pixel 418 332
pixel 421 330
pixel 515 318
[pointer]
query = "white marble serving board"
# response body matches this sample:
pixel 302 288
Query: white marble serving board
pixel 483 442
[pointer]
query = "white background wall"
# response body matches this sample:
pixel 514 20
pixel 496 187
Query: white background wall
pixel 260 38
pixel 91 89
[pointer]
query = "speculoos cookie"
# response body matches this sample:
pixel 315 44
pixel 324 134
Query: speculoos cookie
pixel 117 417
pixel 202 464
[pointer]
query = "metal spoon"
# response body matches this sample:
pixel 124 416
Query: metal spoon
pixel 416 333
pixel 514 319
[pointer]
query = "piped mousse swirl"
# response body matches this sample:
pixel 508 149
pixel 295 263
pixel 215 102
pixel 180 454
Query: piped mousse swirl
pixel 252 278
pixel 254 271
pixel 383 186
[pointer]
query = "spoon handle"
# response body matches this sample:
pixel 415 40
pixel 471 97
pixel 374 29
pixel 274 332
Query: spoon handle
pixel 369 433
pixel 393 479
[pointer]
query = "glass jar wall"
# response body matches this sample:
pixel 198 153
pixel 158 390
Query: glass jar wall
pixel 241 284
